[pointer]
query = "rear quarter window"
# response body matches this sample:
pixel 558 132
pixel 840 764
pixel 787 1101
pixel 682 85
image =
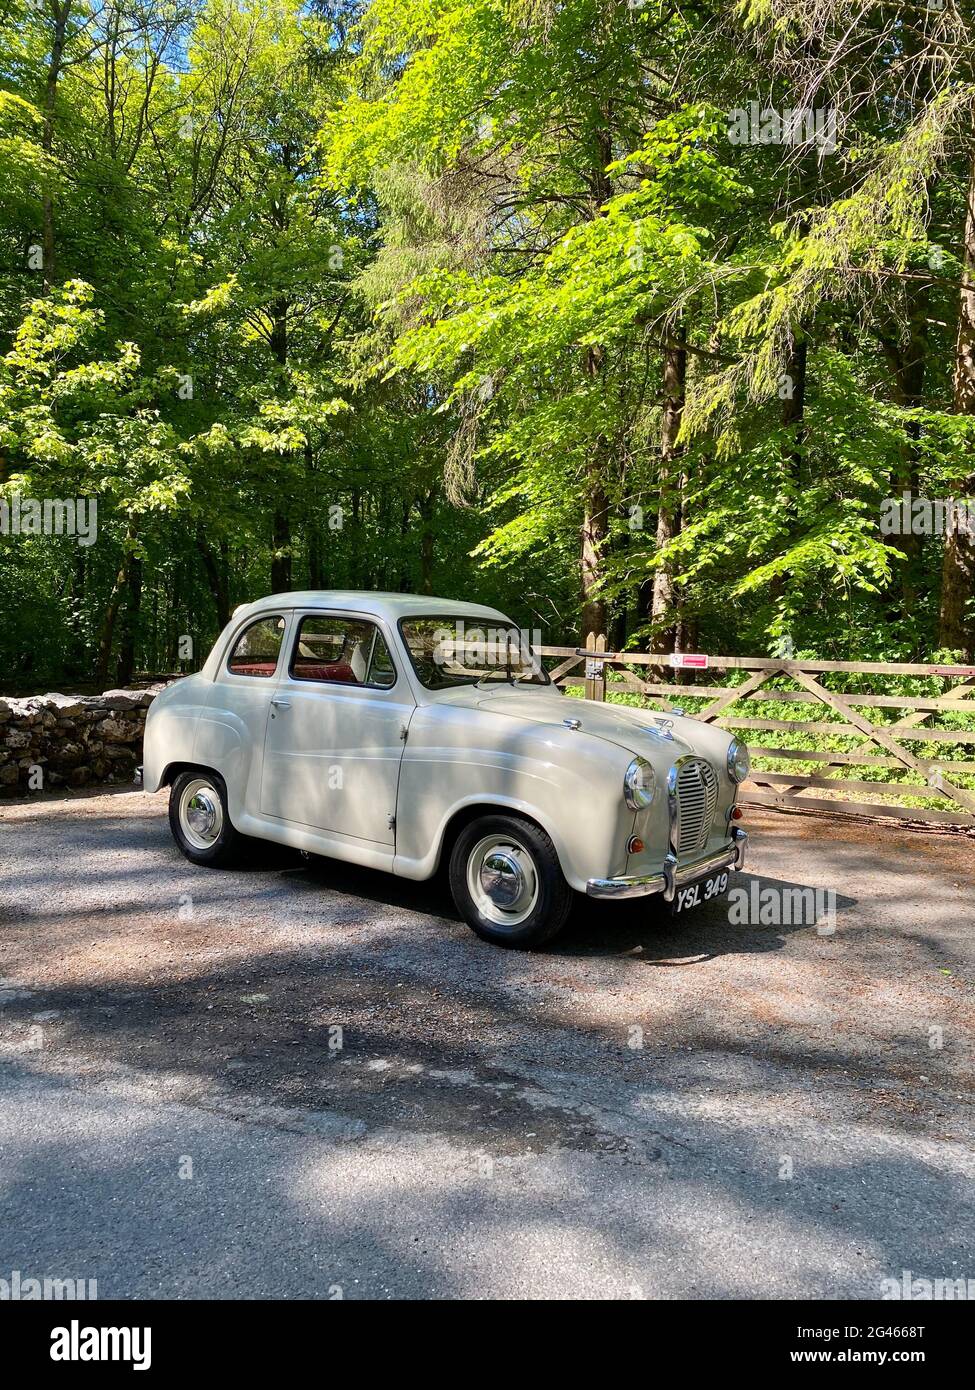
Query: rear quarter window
pixel 256 651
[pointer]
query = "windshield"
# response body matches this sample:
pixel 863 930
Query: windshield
pixel 448 651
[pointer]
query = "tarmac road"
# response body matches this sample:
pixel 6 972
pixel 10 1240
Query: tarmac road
pixel 302 1079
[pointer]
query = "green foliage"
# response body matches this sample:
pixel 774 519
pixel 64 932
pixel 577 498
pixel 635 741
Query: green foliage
pixel 480 298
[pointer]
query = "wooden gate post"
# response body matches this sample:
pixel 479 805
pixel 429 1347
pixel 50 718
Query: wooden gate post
pixel 595 669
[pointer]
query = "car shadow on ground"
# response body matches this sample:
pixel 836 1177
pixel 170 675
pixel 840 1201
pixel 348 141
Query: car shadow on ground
pixel 758 914
pixel 642 928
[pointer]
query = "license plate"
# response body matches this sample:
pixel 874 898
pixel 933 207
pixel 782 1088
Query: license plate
pixel 701 891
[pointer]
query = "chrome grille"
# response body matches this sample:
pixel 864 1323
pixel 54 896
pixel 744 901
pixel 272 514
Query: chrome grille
pixel 696 795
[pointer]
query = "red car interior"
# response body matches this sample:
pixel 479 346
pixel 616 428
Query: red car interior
pixel 253 668
pixel 306 670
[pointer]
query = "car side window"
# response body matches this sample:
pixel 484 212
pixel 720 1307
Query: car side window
pixel 255 653
pixel 343 651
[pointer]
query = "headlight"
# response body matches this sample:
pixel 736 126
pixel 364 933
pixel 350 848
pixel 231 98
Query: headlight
pixel 639 784
pixel 739 763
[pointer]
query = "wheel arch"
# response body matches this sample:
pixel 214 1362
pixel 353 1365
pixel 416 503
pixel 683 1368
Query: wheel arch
pixel 462 816
pixel 176 769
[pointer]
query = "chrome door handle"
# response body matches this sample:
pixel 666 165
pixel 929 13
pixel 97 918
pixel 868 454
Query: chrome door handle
pixel 280 701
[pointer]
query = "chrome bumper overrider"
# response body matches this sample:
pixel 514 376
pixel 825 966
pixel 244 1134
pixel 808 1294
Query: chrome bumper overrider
pixel 673 875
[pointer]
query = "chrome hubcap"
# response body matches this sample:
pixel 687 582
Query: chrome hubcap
pixel 502 880
pixel 201 813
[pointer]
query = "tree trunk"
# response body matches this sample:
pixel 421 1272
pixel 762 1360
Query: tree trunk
pixel 77 592
pixel 281 568
pixel 426 544
pixel 174 620
pixel 316 562
pixel 793 420
pixel 595 528
pixel 957 623
pixel 313 532
pixel 106 635
pixel 906 359
pixel 130 623
pixel 404 531
pixel 153 662
pixel 217 581
pixel 663 603
pixel 595 518
pixel 60 13
pixel 281 558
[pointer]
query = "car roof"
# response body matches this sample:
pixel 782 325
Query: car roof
pixel 390 606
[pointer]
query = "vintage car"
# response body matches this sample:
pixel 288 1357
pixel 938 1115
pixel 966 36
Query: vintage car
pixel 403 732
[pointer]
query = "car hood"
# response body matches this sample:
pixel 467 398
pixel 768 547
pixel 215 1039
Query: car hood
pixel 665 737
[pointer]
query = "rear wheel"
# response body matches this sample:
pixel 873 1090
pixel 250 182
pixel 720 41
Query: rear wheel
pixel 200 821
pixel 507 882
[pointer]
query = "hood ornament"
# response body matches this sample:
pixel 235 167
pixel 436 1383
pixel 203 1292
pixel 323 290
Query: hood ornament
pixel 661 728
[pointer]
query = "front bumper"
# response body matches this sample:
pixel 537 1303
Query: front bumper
pixel 673 875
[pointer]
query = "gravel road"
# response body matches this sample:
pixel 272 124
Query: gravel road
pixel 303 1079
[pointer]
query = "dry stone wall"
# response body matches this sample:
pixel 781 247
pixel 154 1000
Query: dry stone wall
pixel 51 741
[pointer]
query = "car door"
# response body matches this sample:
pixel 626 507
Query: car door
pixel 231 732
pixel 335 738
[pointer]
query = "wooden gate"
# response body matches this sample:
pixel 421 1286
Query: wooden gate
pixel 925 738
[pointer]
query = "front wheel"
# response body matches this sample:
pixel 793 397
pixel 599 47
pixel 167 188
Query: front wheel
pixel 200 821
pixel 507 882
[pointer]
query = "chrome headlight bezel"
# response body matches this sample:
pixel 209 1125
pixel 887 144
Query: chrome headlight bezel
pixel 739 761
pixel 639 784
